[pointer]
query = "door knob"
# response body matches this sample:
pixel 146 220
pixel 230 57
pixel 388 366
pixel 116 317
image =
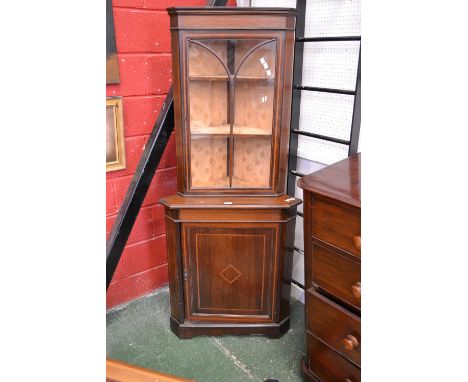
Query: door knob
pixel 350 342
pixel 356 290
pixel 357 242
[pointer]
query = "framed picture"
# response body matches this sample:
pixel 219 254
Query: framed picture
pixel 115 142
pixel 112 61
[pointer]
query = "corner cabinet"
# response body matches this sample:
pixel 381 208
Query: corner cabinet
pixel 230 228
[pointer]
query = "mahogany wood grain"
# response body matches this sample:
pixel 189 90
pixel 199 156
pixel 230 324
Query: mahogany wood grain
pixel 230 202
pixel 190 329
pixel 231 227
pixel 273 176
pixel 222 18
pixel 336 275
pixel 325 365
pixel 336 223
pixel 229 215
pixel 287 90
pixel 235 274
pixel 178 111
pixel 118 371
pixel 233 24
pixel 332 249
pixel 228 270
pixel 175 269
pixel 307 240
pixel 283 285
pixel 340 181
pixel 332 324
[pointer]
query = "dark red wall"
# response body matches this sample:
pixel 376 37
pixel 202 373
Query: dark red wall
pixel 144 51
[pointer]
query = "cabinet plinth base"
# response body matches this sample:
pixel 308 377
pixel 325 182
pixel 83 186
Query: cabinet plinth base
pixel 187 331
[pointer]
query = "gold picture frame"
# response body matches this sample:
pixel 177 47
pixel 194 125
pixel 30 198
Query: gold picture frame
pixel 115 140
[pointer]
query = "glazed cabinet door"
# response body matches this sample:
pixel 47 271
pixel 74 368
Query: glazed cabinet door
pixel 253 117
pixel 230 128
pixel 229 271
pixel 209 130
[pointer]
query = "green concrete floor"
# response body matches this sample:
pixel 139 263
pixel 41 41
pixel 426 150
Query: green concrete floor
pixel 138 333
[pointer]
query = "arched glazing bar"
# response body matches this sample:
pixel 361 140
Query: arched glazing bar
pixel 240 69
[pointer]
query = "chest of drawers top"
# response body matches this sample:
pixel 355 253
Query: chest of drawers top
pixel 341 182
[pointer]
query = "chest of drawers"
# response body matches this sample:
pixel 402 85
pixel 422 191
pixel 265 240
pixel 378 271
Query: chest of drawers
pixel 332 249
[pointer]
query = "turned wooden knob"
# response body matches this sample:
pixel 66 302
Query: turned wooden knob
pixel 357 242
pixel 356 290
pixel 350 342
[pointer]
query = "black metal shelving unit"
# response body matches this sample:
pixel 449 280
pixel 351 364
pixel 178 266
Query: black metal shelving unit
pixel 353 140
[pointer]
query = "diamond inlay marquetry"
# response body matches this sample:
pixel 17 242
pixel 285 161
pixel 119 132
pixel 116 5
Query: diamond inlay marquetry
pixel 230 274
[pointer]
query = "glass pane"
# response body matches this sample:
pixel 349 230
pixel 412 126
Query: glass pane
pixel 256 59
pixel 207 57
pixel 208 157
pixel 253 114
pixel 209 127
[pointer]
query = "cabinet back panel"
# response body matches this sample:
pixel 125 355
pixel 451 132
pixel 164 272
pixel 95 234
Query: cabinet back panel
pixel 208 162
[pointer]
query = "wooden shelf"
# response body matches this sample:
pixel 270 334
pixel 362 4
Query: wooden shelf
pixel 225 78
pixel 248 78
pixel 224 131
pixel 223 183
pixel 208 78
pixel 238 182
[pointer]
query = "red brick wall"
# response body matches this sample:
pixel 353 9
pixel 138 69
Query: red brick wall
pixel 144 51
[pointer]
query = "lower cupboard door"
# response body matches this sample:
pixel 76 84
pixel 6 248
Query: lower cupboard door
pixel 230 271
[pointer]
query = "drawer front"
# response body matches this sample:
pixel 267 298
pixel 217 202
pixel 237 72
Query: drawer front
pixel 337 224
pixel 337 275
pixel 335 326
pixel 328 365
